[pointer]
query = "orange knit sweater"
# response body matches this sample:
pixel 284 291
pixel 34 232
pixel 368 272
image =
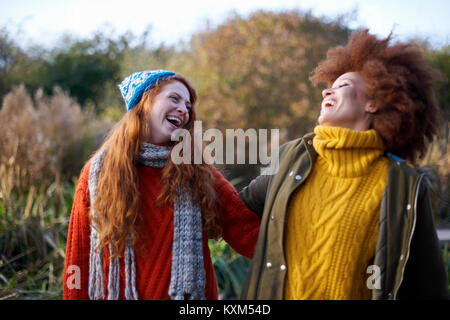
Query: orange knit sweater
pixel 153 265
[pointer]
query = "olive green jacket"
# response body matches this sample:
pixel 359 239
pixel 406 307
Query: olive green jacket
pixel 408 253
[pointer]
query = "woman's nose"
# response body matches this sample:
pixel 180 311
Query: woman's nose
pixel 326 92
pixel 182 109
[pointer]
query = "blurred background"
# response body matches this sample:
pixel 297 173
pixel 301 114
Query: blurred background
pixel 61 62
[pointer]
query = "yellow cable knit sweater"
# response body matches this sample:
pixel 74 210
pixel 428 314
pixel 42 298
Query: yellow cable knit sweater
pixel 332 222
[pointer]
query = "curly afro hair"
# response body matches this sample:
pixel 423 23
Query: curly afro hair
pixel 399 85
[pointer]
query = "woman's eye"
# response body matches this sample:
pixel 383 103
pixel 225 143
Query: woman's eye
pixel 343 85
pixel 174 98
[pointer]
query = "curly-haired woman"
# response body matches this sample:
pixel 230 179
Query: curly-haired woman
pixel 345 217
pixel 140 223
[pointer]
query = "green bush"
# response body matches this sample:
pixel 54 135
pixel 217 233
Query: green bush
pixel 230 267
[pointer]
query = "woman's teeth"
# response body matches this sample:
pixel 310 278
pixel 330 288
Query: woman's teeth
pixel 329 103
pixel 174 120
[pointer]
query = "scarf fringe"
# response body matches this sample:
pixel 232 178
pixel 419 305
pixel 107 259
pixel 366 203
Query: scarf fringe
pixel 96 279
pixel 130 274
pixel 113 277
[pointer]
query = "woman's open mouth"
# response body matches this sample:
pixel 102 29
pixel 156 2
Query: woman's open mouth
pixel 328 103
pixel 174 121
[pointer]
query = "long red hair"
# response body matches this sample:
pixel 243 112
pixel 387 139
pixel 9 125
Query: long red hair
pixel 118 202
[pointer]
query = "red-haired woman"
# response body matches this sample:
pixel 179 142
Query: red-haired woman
pixel 345 217
pixel 140 224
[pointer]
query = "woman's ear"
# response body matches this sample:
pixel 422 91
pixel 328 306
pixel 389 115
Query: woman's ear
pixel 369 108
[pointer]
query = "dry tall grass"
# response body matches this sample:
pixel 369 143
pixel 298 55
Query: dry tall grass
pixel 43 145
pixel 45 138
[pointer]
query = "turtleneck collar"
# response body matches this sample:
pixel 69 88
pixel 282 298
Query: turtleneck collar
pixel 347 153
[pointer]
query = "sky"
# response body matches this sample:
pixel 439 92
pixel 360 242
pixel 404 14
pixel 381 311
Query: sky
pixel 43 22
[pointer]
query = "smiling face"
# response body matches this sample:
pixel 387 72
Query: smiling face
pixel 345 104
pixel 170 111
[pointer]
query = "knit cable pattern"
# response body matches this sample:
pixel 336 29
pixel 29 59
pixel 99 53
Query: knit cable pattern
pixel 332 219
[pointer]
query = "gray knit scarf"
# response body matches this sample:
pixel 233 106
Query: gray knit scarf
pixel 187 272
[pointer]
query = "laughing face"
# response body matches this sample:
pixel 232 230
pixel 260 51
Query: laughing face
pixel 170 111
pixel 345 104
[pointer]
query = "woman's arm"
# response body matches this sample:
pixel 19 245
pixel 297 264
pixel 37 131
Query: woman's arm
pixel 76 268
pixel 254 195
pixel 240 225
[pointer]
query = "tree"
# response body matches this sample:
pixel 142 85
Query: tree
pixel 440 59
pixel 90 69
pixel 253 72
pixel 80 67
pixel 10 56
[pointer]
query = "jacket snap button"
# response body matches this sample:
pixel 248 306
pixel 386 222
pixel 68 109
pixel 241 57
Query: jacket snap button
pixel 408 207
pixel 269 265
pixel 272 217
pixel 282 267
pixel 291 173
pixel 298 177
pixel 401 257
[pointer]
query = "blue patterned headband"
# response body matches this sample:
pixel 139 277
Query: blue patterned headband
pixel 134 86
